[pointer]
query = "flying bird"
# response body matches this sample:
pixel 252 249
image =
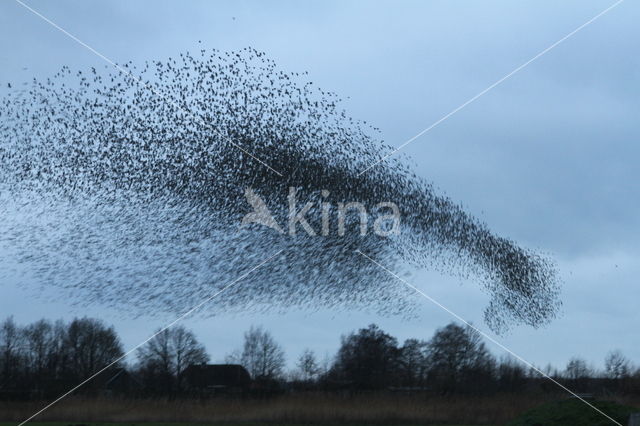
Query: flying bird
pixel 129 190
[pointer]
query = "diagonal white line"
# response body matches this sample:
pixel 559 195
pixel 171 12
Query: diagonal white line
pixel 150 88
pixel 171 324
pixel 445 117
pixel 485 335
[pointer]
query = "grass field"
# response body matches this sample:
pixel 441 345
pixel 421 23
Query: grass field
pixel 570 412
pixel 316 409
pixel 206 424
pixel 292 409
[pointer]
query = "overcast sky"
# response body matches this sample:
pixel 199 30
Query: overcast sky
pixel 548 158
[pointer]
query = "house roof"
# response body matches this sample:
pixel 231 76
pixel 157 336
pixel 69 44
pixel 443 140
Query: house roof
pixel 215 375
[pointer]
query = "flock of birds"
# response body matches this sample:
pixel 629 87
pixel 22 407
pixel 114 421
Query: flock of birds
pixel 128 189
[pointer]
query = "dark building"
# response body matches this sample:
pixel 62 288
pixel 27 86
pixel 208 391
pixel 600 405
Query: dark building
pixel 114 381
pixel 217 378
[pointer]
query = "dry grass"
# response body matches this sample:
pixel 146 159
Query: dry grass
pixel 315 408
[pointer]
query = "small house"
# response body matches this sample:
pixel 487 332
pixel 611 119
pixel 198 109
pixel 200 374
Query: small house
pixel 216 379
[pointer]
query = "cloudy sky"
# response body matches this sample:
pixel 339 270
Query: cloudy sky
pixel 548 157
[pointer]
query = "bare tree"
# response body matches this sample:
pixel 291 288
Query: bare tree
pixel 261 355
pixel 39 342
pixel 413 362
pixel 308 366
pixel 91 346
pixel 59 356
pixel 11 340
pixel 457 356
pixel 164 358
pixel 512 376
pixel 325 364
pixel 233 357
pixel 577 369
pixel 616 365
pixel 187 351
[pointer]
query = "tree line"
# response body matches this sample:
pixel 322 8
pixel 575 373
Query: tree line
pixel 46 358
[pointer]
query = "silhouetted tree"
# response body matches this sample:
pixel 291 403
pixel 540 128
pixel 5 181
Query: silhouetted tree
pixel 262 356
pixel 367 359
pixel 59 353
pixel 234 357
pixel 512 376
pixel 90 346
pixel 616 365
pixel 412 366
pixel 43 359
pixel 11 340
pixel 40 349
pixel 163 359
pixel 38 337
pixel 577 369
pixel 308 366
pixel 458 359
